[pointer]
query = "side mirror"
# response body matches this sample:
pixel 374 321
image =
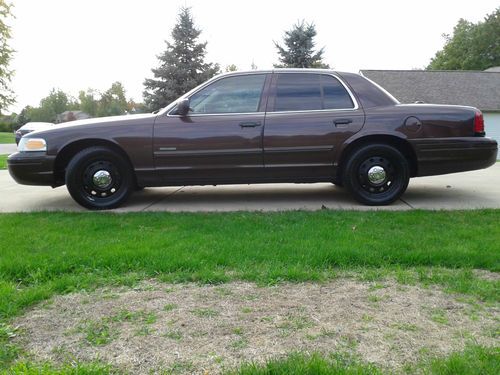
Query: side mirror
pixel 183 107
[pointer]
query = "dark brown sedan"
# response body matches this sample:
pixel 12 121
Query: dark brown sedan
pixel 257 127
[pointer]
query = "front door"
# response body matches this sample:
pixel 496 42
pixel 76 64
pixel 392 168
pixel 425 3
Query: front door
pixel 220 139
pixel 309 117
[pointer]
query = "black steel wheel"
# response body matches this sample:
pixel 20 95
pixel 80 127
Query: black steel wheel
pixel 99 178
pixel 376 174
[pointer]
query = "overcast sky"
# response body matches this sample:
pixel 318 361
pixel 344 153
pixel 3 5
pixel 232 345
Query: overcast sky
pixel 78 44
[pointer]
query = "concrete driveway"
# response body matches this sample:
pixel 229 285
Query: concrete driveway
pixel 7 148
pixel 470 190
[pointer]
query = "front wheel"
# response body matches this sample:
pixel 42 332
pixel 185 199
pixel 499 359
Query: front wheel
pixel 99 178
pixel 376 175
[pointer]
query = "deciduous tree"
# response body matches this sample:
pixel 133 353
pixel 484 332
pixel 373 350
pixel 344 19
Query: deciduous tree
pixel 50 106
pixel 113 101
pixel 89 102
pixel 471 47
pixel 231 68
pixel 6 94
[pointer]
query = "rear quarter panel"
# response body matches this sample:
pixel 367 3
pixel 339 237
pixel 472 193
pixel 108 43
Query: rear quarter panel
pixel 441 136
pixel 437 121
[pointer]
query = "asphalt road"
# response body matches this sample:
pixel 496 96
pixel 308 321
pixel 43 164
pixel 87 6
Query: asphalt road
pixel 469 190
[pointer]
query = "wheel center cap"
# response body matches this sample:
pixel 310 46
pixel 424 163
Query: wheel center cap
pixel 102 179
pixel 376 175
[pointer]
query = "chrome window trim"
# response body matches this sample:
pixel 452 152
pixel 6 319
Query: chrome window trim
pixel 314 110
pixel 191 93
pixel 353 98
pixel 380 88
pixel 219 114
pixel 213 80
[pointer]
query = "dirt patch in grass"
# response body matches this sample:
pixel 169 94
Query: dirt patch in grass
pixel 487 275
pixel 193 328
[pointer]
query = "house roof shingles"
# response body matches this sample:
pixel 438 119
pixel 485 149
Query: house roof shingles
pixel 474 88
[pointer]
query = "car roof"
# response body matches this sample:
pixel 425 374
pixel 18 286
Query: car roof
pixel 283 70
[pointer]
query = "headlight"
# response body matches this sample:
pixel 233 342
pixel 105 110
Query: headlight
pixel 32 144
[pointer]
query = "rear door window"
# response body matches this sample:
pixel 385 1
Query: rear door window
pixel 298 92
pixel 307 92
pixel 335 96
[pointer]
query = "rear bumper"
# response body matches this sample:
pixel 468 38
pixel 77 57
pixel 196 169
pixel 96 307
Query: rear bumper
pixel 450 155
pixel 32 168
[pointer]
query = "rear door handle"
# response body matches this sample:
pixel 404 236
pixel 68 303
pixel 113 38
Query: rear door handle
pixel 250 124
pixel 342 121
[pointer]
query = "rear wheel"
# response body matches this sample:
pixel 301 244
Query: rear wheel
pixel 376 174
pixel 99 178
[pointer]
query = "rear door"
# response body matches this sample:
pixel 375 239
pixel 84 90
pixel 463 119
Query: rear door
pixel 309 116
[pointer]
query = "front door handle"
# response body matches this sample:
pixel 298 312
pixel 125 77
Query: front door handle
pixel 250 124
pixel 342 121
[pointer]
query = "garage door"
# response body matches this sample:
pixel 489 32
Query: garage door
pixel 492 124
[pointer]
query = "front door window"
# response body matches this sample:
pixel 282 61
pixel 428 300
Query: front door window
pixel 237 94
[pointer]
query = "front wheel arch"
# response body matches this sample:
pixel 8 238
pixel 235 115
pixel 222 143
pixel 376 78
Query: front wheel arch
pixel 67 153
pixel 99 178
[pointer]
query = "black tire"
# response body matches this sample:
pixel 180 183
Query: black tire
pixel 117 179
pixel 389 177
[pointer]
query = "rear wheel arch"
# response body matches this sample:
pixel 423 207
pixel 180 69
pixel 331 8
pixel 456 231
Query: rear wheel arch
pixel 376 174
pixel 67 153
pixel 400 144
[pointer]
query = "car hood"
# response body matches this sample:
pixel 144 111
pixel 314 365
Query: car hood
pixel 125 119
pixel 36 126
pixel 103 120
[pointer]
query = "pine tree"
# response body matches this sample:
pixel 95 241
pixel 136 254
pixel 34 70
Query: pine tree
pixel 182 65
pixel 298 51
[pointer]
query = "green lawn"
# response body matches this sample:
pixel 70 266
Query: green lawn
pixel 44 254
pixel 3 161
pixel 7 137
pixel 474 360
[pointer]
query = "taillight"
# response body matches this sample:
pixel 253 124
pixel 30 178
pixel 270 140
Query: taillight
pixel 479 124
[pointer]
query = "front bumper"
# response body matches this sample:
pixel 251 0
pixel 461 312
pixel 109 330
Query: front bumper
pixel 32 168
pixel 449 155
